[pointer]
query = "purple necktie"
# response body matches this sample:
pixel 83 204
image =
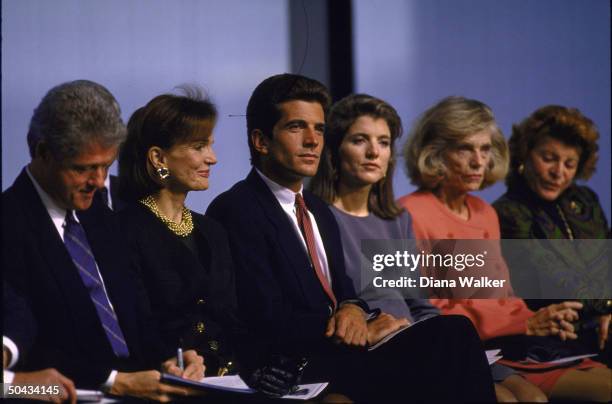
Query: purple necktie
pixel 80 251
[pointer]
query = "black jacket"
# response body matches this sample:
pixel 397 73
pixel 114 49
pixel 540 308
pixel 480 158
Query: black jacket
pixel 279 294
pixel 39 269
pixel 192 294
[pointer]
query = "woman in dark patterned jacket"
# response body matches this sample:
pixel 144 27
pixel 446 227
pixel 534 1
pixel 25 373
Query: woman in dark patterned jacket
pixel 549 150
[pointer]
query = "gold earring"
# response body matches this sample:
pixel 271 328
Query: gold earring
pixel 521 168
pixel 163 172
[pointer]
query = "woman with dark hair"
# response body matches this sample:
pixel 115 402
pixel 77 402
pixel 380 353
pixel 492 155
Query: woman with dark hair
pixel 182 257
pixel 457 148
pixel 549 151
pixel 355 178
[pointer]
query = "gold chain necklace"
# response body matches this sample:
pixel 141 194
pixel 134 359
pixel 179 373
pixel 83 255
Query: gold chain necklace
pixel 570 235
pixel 182 230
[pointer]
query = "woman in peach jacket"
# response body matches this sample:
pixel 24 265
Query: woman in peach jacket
pixel 456 148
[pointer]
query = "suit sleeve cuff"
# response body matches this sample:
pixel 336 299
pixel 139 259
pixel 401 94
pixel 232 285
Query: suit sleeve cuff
pixel 368 314
pixel 12 348
pixel 8 376
pixel 108 384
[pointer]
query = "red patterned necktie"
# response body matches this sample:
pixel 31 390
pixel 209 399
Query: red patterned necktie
pixel 306 228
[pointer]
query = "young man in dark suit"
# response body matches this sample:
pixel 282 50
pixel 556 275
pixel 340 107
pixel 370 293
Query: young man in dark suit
pixel 63 255
pixel 292 287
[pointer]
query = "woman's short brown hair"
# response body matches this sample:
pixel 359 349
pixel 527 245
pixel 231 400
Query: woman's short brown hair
pixel 166 120
pixel 568 125
pixel 441 127
pixel 342 115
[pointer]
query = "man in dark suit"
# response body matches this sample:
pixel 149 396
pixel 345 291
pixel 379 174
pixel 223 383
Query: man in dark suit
pixel 109 194
pixel 19 328
pixel 64 256
pixel 292 287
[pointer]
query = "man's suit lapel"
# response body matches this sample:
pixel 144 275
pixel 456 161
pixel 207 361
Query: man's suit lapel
pixel 288 241
pixel 118 203
pixel 59 261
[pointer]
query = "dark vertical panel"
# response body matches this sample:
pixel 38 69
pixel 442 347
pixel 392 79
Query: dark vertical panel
pixel 340 31
pixel 322 43
pixel 309 39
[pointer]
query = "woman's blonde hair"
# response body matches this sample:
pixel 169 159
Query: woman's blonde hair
pixel 442 127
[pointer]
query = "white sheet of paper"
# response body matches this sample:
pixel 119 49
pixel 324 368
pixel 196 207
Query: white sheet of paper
pixel 563 360
pixel 493 355
pixel 96 396
pixel 314 389
pixel 235 384
pixel 227 383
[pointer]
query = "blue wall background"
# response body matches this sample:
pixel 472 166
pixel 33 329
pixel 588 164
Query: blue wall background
pixel 139 49
pixel 514 55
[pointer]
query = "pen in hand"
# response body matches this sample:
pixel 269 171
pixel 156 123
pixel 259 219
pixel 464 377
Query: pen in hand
pixel 179 359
